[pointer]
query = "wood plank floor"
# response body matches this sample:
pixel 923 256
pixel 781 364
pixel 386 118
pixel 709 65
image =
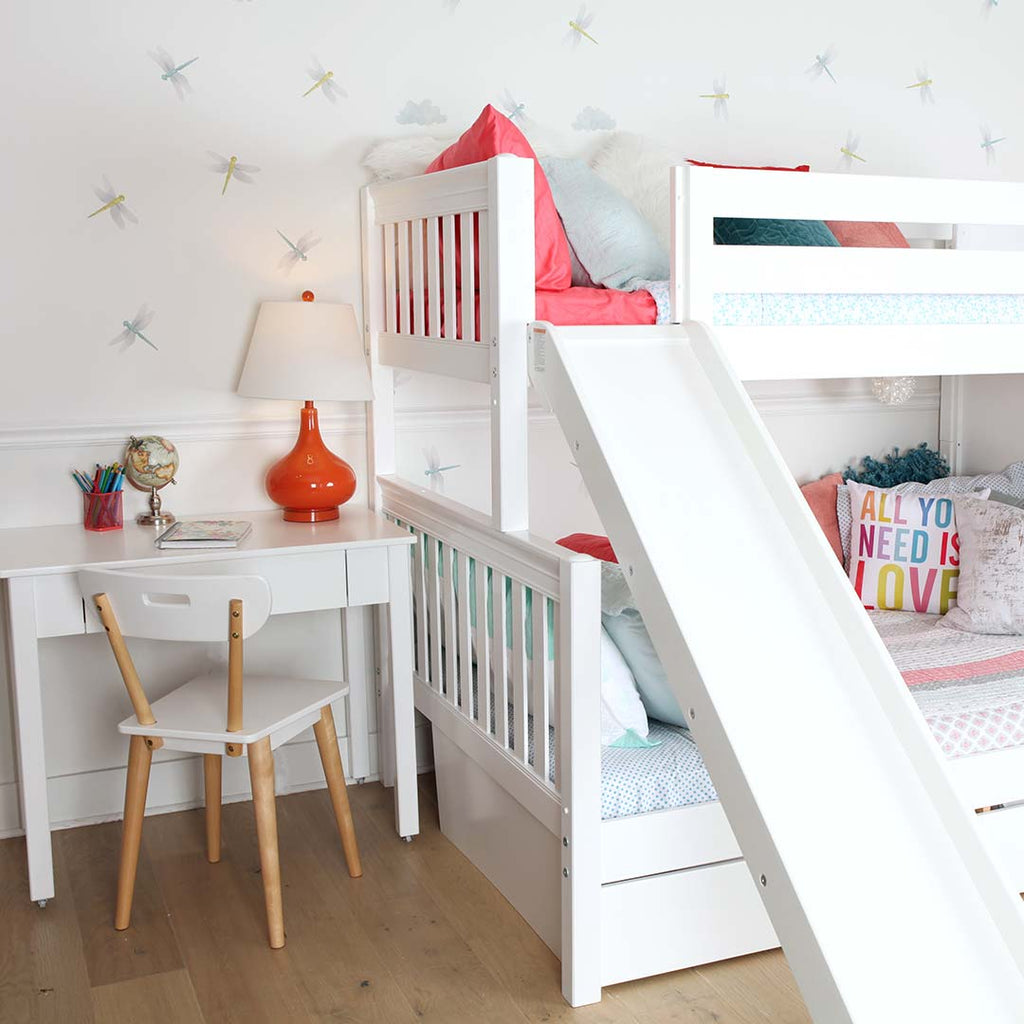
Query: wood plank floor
pixel 422 936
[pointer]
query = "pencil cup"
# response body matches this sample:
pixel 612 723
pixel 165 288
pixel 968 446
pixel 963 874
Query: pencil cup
pixel 101 512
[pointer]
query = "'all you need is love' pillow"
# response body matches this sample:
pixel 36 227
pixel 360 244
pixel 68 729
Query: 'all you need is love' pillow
pixel 904 549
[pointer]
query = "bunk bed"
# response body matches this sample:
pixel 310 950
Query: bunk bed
pixel 646 893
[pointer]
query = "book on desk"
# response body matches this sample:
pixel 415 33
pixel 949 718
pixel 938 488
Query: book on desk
pixel 204 533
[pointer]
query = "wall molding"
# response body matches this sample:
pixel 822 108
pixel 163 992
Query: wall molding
pixel 772 398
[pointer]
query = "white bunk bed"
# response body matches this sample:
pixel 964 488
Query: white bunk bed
pixel 640 895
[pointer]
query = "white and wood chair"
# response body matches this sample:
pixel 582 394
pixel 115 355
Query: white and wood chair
pixel 205 715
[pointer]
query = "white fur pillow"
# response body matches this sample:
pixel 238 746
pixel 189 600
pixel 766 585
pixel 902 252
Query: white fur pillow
pixel 639 169
pixel 405 157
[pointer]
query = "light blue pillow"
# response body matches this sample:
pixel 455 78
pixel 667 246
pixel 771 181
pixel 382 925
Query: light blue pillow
pixel 634 643
pixel 609 235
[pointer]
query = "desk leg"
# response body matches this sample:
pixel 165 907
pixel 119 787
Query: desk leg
pixel 407 814
pixel 358 643
pixel 28 710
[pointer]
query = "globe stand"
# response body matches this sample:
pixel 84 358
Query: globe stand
pixel 155 516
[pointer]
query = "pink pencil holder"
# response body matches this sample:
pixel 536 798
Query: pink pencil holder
pixel 102 512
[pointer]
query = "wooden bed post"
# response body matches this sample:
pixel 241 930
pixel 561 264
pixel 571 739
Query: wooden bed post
pixel 579 644
pixel 512 306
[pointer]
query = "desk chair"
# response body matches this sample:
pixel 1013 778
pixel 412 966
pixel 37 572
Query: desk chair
pixel 204 716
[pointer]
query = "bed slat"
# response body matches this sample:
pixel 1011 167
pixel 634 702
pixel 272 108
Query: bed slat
pixel 466 223
pixel 433 280
pixel 433 583
pixel 483 652
pixel 484 250
pixel 464 601
pixel 451 675
pixel 519 698
pixel 390 292
pixel 539 695
pixel 420 605
pixel 448 240
pixel 404 326
pixel 417 277
pixel 499 658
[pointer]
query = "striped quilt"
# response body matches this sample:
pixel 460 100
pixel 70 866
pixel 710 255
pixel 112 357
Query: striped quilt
pixel 969 686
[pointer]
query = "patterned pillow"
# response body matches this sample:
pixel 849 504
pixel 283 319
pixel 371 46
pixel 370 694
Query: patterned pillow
pixel 905 550
pixel 990 598
pixel 1010 482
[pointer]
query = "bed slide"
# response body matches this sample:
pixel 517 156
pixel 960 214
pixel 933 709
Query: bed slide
pixel 875 879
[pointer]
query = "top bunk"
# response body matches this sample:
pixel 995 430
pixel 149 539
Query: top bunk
pixel 449 273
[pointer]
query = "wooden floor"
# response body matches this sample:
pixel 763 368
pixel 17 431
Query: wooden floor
pixel 421 937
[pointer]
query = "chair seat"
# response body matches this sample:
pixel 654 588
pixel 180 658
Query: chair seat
pixel 198 709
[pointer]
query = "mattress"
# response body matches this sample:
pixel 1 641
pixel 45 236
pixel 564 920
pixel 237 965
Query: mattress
pixel 575 307
pixel 969 686
pixel 740 309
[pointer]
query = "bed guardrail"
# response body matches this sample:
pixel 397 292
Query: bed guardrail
pixel 448 288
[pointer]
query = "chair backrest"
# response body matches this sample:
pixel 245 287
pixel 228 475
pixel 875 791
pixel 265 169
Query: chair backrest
pixel 178 607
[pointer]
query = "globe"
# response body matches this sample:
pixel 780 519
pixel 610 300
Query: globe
pixel 150 462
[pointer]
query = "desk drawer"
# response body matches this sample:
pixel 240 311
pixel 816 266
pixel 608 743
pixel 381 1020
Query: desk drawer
pixel 59 606
pixel 298 583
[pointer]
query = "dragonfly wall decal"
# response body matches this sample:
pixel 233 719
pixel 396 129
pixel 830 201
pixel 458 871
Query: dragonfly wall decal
pixel 511 107
pixel 849 151
pixel 324 81
pixel 989 144
pixel 924 83
pixel 173 73
pixel 720 96
pixel 578 28
pixel 231 168
pixel 133 329
pixel 823 65
pixel 113 202
pixel 435 470
pixel 297 251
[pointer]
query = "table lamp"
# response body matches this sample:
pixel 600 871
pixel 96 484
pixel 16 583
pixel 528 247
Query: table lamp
pixel 304 351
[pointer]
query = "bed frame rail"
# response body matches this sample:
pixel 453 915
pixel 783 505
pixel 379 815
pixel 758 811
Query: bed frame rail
pixel 448 288
pixel 464 573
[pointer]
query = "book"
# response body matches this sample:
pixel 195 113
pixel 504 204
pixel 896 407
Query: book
pixel 204 533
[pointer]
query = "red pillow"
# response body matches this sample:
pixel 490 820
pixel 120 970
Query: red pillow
pixel 738 167
pixel 867 234
pixel 599 547
pixel 493 133
pixel 821 496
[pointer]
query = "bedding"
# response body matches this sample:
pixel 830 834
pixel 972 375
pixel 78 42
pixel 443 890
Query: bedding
pixel 763 309
pixel 582 306
pixel 969 686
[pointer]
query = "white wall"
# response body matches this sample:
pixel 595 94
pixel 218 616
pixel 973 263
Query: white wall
pixel 83 100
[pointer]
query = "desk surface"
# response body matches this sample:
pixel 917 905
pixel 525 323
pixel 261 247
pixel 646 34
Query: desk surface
pixel 40 550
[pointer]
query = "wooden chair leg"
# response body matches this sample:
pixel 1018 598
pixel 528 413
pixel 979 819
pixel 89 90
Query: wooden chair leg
pixel 330 758
pixel 212 775
pixel 140 758
pixel 261 772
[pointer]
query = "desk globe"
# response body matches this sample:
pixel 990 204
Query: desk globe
pixel 149 464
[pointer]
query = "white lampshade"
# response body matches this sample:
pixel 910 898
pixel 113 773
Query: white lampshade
pixel 306 350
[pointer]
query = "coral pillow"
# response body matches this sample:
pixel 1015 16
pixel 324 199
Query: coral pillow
pixel 491 134
pixel 867 234
pixel 589 544
pixel 905 549
pixel 821 496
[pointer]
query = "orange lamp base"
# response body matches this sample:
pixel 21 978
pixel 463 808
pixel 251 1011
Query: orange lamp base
pixel 310 482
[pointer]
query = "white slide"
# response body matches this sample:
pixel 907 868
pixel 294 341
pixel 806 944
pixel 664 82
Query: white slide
pixel 886 903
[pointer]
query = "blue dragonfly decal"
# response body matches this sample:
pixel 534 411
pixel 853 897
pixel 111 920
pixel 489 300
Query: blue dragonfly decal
pixel 297 251
pixel 823 65
pixel 511 107
pixel 989 144
pixel 133 329
pixel 435 470
pixel 173 73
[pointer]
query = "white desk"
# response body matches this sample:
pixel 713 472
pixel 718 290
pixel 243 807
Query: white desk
pixel 358 561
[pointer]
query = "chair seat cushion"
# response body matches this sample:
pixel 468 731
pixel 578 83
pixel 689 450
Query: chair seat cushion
pixel 198 710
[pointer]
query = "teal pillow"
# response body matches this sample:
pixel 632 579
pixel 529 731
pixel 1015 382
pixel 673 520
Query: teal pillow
pixel 630 635
pixel 749 231
pixel 610 237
